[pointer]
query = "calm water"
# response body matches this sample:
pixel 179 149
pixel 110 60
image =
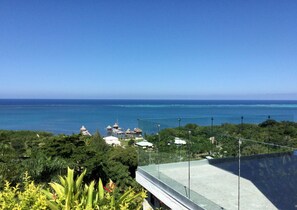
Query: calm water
pixel 67 116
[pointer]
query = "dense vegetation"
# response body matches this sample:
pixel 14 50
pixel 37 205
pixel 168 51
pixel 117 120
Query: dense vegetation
pixel 45 156
pixel 267 137
pixel 70 193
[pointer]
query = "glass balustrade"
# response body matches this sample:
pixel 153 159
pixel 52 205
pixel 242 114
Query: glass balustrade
pixel 221 162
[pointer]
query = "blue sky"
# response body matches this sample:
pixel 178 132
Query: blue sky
pixel 149 49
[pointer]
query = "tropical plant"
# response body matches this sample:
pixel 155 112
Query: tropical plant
pixel 15 198
pixel 72 194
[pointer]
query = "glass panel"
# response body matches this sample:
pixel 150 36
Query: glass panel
pixel 270 169
pixel 224 162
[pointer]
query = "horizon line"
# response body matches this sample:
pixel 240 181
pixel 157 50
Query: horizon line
pixel 152 99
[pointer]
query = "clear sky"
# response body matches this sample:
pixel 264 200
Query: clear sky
pixel 194 49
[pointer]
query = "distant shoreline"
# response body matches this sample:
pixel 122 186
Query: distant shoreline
pixel 153 99
pixel 68 115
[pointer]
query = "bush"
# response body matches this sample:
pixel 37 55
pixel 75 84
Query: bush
pixel 70 193
pixel 30 197
pixel 73 194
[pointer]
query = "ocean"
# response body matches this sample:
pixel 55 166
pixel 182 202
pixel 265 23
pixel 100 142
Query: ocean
pixel 67 116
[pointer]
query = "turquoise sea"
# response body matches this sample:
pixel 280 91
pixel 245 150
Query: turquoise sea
pixel 67 116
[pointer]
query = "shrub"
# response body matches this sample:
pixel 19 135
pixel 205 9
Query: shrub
pixel 30 197
pixel 70 193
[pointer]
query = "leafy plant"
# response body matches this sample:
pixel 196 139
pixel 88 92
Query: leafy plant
pixel 30 197
pixel 72 194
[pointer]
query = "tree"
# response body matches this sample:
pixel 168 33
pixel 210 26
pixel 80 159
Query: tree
pixel 127 156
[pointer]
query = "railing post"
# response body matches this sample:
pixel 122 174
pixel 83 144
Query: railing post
pixel 211 126
pixel 158 151
pixel 138 154
pixel 189 166
pixel 239 156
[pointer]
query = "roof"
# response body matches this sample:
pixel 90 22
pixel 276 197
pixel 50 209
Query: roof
pixel 137 130
pixel 179 141
pixel 144 143
pixel 112 140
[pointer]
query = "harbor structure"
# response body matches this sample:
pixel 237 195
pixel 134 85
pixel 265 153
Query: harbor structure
pixel 117 131
pixel 84 131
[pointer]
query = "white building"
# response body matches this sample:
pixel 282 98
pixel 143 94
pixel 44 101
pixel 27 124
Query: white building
pixel 112 140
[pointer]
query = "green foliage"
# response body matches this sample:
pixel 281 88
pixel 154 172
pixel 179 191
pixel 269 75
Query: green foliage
pixel 30 197
pixel 40 166
pixel 9 164
pixel 131 142
pixel 67 194
pixel 268 123
pixel 97 143
pixel 126 156
pixel 254 149
pixel 257 139
pixel 72 194
pixel 45 156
